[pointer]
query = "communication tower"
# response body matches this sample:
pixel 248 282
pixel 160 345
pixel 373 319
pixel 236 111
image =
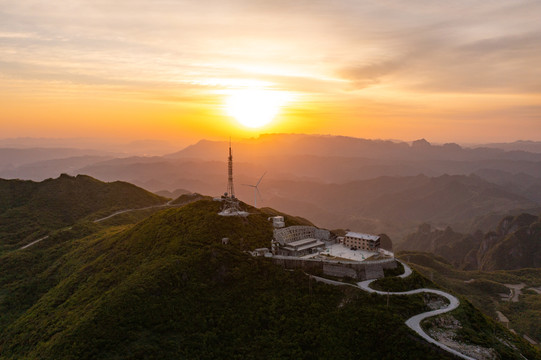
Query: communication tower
pixel 231 205
pixel 230 188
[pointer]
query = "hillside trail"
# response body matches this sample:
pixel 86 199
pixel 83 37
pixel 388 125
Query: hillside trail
pixel 414 322
pixel 136 209
pixel 167 204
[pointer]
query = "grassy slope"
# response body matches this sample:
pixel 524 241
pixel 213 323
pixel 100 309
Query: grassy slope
pixel 29 210
pixel 476 328
pixel 168 288
pixel 485 289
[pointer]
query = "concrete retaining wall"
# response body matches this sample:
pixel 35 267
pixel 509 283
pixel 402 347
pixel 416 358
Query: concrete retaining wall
pixel 339 271
pixel 356 270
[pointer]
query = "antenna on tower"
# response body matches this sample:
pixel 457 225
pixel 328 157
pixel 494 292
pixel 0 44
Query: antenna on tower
pixel 230 188
pixel 231 206
pixel 256 189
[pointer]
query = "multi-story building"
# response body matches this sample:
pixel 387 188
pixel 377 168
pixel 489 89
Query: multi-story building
pixel 299 240
pixel 361 241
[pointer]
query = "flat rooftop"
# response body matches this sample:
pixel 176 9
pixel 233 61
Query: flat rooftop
pixel 344 252
pixel 304 244
pixel 301 242
pixel 362 236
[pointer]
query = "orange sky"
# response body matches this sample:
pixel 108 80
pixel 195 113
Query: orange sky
pixel 463 72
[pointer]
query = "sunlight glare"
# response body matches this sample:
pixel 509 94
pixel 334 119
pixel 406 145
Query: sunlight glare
pixel 255 108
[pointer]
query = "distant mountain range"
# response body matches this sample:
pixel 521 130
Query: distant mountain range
pixel 394 204
pixel 342 146
pixel 365 185
pixel 521 145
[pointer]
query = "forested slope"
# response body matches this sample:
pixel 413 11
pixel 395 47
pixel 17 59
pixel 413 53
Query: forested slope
pixel 29 209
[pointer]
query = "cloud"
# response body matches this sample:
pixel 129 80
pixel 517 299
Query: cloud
pixel 336 53
pixel 363 76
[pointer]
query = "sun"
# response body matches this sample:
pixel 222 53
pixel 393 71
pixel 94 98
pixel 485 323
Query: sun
pixel 255 108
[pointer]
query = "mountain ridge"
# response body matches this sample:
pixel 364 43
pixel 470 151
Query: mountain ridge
pixel 327 145
pixel 29 208
pixel 513 244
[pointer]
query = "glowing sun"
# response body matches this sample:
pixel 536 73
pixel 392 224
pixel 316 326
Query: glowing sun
pixel 255 108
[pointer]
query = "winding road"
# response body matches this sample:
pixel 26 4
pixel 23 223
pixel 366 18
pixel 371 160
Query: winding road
pixel 413 322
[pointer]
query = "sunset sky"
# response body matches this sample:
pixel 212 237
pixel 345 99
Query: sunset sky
pixel 462 71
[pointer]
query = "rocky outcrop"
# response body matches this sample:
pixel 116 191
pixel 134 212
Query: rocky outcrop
pixel 514 244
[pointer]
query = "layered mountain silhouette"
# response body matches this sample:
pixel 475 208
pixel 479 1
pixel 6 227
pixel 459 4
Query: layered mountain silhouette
pixel 365 185
pixel 514 244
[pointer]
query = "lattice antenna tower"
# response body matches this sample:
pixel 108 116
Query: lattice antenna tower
pixel 230 188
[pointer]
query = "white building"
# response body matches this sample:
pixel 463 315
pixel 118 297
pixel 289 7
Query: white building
pixel 302 247
pixel 299 232
pixel 299 240
pixel 278 222
pixel 362 241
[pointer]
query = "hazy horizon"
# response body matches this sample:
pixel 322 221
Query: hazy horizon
pixel 156 147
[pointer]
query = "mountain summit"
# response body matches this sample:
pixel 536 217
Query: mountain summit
pixel 168 287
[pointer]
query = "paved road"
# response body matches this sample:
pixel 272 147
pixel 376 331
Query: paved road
pixel 34 242
pixel 130 210
pixel 40 239
pixel 104 218
pixel 413 322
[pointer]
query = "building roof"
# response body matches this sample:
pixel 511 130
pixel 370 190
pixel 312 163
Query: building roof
pixel 362 236
pixel 302 242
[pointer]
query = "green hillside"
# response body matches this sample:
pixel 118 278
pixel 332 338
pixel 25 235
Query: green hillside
pixel 168 288
pixel 485 288
pixel 514 244
pixel 31 209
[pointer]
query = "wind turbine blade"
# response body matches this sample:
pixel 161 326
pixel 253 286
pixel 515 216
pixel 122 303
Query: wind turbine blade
pixel 261 178
pixel 259 193
pixel 249 185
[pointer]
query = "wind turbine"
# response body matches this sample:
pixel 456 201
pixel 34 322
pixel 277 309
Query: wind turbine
pixel 256 189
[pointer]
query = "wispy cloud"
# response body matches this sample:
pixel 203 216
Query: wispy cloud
pixel 341 51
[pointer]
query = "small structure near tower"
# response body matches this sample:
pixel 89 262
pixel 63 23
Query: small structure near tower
pixel 231 205
pixel 277 221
